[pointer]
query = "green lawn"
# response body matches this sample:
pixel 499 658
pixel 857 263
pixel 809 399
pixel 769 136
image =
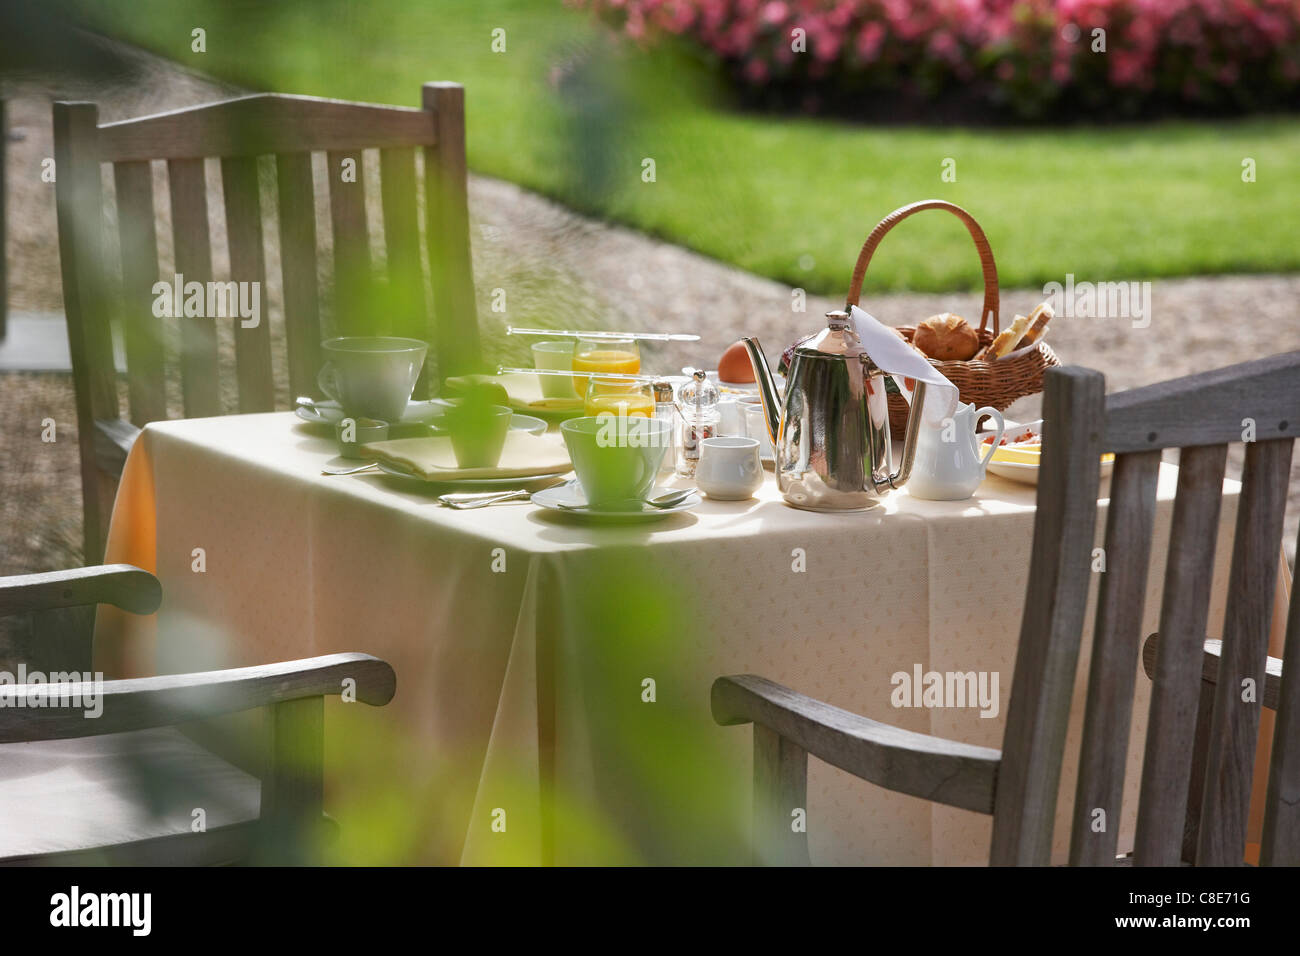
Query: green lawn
pixel 788 198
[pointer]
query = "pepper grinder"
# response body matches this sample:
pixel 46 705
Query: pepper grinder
pixel 700 418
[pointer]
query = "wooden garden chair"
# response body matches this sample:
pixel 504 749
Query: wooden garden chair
pixel 123 787
pixel 237 132
pixel 1201 735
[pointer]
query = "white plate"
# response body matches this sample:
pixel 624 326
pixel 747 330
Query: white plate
pixel 417 413
pixel 1014 471
pixel 1013 430
pixel 571 494
pixel 1028 474
pixel 395 472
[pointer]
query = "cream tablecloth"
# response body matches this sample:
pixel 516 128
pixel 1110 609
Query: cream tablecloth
pixel 553 676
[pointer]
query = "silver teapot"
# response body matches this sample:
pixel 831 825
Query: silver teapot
pixel 831 432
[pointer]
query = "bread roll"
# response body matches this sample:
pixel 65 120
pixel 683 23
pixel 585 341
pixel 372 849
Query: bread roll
pixel 946 337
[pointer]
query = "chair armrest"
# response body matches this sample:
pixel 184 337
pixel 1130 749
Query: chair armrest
pixel 1210 667
pixel 124 705
pixel 121 585
pixel 945 771
pixel 113 441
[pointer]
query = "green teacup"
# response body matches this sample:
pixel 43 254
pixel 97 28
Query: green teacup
pixel 478 433
pixel 616 458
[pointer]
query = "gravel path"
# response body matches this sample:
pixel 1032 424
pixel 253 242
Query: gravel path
pixel 556 266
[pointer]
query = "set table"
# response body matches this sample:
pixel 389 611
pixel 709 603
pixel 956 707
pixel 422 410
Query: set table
pixel 553 675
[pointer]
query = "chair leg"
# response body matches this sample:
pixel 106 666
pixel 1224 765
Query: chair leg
pixel 293 789
pixel 780 800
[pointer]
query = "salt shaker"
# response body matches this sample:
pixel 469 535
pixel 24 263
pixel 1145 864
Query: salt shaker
pixel 698 400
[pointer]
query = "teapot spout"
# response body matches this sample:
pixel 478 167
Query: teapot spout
pixel 766 387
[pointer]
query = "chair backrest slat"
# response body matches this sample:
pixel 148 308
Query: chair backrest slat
pixel 264 123
pixel 298 270
pixel 1055 603
pixel 1280 841
pixel 1176 684
pixel 142 331
pixel 1231 756
pixel 80 201
pixel 1196 778
pixel 1130 520
pixel 248 264
pixel 81 254
pixel 447 232
pixel 187 185
pixel 351 246
pixel 410 315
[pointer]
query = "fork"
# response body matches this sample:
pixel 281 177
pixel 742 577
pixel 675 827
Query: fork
pixel 465 502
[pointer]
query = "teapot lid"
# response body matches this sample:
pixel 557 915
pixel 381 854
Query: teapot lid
pixel 838 338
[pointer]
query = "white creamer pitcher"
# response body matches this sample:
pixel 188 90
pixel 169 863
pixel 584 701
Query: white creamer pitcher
pixel 948 466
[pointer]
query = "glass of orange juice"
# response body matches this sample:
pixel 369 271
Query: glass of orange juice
pixel 616 355
pixel 618 396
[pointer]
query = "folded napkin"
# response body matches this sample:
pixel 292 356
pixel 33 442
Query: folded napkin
pixel 893 354
pixel 433 459
pixel 522 392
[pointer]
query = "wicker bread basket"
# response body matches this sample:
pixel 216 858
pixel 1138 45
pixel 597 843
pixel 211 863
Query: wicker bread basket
pixel 997 382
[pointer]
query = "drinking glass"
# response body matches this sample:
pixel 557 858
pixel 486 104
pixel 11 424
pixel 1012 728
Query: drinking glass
pixel 557 356
pixel 617 396
pixel 617 355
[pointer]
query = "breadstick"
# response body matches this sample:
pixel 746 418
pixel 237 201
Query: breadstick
pixel 1007 338
pixel 1038 320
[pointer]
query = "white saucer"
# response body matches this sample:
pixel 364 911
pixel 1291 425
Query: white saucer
pixel 396 472
pixel 328 412
pixel 570 494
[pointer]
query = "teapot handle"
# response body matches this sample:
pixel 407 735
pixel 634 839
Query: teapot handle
pixel 987 264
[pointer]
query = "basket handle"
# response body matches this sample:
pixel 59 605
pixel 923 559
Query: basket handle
pixel 981 246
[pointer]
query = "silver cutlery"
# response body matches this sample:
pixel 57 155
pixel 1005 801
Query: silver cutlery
pixel 348 469
pixel 464 501
pixel 671 498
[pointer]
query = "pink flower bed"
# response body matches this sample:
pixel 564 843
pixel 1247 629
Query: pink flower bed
pixel 1018 55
